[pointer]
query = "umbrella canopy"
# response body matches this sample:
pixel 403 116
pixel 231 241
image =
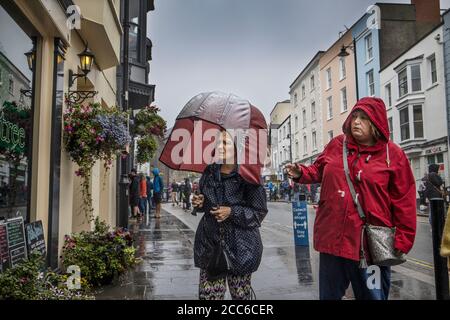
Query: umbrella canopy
pixel 192 141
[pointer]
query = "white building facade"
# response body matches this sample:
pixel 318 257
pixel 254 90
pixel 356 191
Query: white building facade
pixel 413 88
pixel 306 120
pixel 280 137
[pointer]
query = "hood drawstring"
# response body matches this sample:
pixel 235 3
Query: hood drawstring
pixel 388 160
pixel 358 176
pixel 368 158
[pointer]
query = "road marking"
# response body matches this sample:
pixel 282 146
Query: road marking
pixel 421 262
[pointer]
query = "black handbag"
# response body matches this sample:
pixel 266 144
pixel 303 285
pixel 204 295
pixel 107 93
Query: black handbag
pixel 219 264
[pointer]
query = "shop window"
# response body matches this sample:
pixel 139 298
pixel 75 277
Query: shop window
pixel 15 122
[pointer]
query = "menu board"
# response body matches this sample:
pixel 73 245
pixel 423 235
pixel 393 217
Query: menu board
pixel 35 238
pixel 4 252
pixel 16 241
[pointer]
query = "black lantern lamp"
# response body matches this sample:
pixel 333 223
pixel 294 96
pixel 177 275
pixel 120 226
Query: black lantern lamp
pixel 343 53
pixel 31 57
pixel 86 61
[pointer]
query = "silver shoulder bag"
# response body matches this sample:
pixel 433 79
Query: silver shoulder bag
pixel 380 239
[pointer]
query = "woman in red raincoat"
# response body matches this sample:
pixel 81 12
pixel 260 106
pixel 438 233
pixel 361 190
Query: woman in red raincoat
pixel 382 177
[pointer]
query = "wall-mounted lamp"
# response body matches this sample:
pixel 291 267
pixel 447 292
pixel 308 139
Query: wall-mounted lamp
pixel 86 61
pixel 343 53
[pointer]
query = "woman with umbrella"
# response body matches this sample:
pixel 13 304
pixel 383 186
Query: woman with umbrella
pixel 228 246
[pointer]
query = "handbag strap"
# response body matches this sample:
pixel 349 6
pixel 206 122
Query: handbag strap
pixel 349 181
pixel 362 256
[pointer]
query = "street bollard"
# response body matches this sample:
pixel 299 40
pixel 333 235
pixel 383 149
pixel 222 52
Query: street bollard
pixel 440 263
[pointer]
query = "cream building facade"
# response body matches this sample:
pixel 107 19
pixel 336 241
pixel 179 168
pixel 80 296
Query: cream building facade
pixel 54 194
pixel 338 86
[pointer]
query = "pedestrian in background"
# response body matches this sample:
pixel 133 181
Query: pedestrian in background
pixel 187 190
pixel 234 210
pixel 174 193
pixel 142 194
pixel 158 189
pixel 134 193
pixel 433 183
pixel 385 189
pixel 149 193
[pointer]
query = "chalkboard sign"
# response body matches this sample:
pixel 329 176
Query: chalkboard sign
pixel 35 238
pixel 16 241
pixel 4 252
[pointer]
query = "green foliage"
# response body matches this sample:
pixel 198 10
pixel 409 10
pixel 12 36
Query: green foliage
pixel 146 148
pixel 27 282
pixel 101 254
pixel 148 126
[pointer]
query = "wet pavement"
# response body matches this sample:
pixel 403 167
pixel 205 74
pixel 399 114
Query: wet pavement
pixel 286 272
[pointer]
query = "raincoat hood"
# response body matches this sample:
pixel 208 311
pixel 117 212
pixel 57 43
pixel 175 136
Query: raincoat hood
pixel 155 171
pixel 376 111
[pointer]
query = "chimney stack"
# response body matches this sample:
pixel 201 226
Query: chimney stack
pixel 427 11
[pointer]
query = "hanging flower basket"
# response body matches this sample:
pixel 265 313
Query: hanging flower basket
pixel 94 132
pixel 148 127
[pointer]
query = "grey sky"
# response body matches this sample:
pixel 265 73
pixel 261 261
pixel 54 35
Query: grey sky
pixel 252 48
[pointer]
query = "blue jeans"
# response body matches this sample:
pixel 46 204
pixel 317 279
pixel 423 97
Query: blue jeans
pixel 143 205
pixel 336 273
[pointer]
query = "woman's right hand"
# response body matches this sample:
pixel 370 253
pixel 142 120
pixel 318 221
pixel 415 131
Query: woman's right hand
pixel 197 200
pixel 293 171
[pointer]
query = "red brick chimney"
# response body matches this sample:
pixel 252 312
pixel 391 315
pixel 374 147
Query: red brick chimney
pixel 428 11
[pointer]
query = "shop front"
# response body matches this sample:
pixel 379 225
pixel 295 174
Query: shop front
pixel 42 73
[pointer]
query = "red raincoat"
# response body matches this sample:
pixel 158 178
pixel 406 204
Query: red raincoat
pixel 383 179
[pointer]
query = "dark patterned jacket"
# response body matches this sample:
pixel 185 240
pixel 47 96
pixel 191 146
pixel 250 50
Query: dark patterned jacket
pixel 241 230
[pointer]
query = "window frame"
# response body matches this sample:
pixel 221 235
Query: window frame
pixel 369 49
pixel 370 85
pixel 388 94
pixel 418 65
pixel 314 139
pixel 329 108
pixel 344 102
pixel 433 74
pixel 414 107
pixel 342 69
pixel 304 118
pixel 391 128
pixel 405 124
pixel 11 86
pixel 328 78
pixel 403 84
pixel 305 145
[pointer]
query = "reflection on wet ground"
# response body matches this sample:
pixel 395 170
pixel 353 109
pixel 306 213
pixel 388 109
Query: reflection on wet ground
pixel 287 272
